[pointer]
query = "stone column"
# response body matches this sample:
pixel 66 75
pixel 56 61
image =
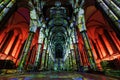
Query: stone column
pixel 71 60
pixel 47 59
pixel 32 30
pixel 82 29
pixel 112 15
pixel 75 46
pixel 113 6
pixel 39 54
pixel 3 4
pixel 44 54
pixel 74 59
pixel 7 7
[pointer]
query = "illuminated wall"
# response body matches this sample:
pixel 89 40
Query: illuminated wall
pixel 104 42
pixel 14 35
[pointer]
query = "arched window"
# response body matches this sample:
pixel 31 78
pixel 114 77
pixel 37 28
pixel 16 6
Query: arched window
pixel 33 54
pixel 6 40
pixel 111 42
pixel 96 50
pixel 20 54
pixel 13 45
pixel 103 44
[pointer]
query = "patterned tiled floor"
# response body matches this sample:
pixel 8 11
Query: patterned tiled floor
pixel 54 76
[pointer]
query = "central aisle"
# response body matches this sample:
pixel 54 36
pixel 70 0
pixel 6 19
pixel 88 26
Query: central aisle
pixel 54 76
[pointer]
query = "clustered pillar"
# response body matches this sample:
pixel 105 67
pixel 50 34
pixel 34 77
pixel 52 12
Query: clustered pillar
pixel 75 46
pixel 82 29
pixel 32 30
pixel 39 53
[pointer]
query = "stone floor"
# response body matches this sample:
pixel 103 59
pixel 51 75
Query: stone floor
pixel 54 76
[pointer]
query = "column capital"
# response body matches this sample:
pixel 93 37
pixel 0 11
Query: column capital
pixel 81 20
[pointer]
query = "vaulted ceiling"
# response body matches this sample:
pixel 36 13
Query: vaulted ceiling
pixel 57 15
